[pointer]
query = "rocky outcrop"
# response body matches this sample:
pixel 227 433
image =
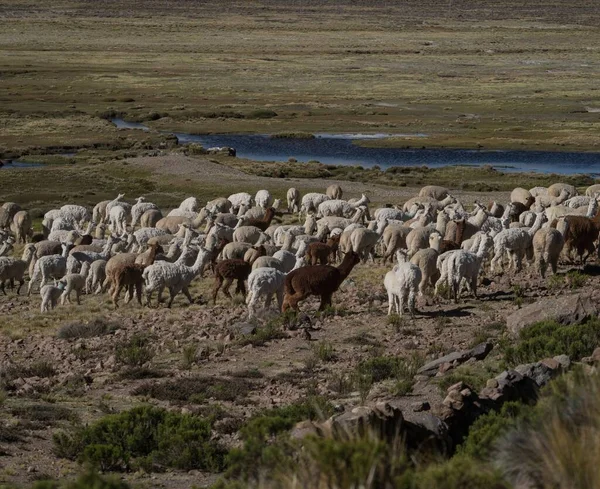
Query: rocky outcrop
pixel 455 359
pixel 443 429
pixel 568 309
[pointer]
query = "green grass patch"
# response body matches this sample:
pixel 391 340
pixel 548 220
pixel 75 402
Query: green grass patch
pixel 196 389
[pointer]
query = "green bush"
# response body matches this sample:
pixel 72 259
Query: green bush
pixel 88 480
pixel 265 444
pixel 145 437
pixel 458 473
pixel 548 338
pixel 194 389
pixel 488 428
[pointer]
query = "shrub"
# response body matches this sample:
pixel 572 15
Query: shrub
pixel 97 327
pixel 88 480
pixel 146 437
pixel 135 352
pixel 459 473
pixel 324 351
pixel 548 338
pixel 265 445
pixel 561 447
pixel 196 389
pixel 264 334
pixel 487 429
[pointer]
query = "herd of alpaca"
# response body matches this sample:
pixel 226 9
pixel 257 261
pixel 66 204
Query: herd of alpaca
pixel 436 242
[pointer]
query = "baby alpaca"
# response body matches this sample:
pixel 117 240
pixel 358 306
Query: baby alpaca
pixel 74 282
pixel 264 282
pixel 130 277
pixel 227 271
pixel 50 295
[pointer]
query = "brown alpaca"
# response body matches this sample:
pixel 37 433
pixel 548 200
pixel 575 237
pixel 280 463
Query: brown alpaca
pixel 252 254
pixel 457 238
pixel 323 253
pixel 321 280
pixel 227 271
pixel 264 222
pixel 129 276
pixel 581 234
pixel 121 260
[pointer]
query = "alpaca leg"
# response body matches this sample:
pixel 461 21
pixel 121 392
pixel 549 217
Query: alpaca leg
pixel 77 296
pixel 128 293
pixel 268 299
pixel 21 283
pixel 226 285
pixel 279 294
pixel 138 292
pixel 325 300
pixel 391 302
pixel 186 292
pixel 160 291
pixel 172 293
pixel 2 287
pixel 117 292
pixel 218 283
pixel 241 287
pixel 554 264
pixel 411 303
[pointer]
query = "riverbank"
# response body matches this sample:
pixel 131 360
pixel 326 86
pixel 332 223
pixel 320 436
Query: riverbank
pixel 480 74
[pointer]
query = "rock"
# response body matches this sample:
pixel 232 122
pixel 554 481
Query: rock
pixel 565 361
pixel 569 309
pixel 447 362
pixel 304 429
pixel 418 407
pixel 511 386
pixel 244 329
pixel 538 372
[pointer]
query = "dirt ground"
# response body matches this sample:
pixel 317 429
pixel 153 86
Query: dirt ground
pixel 89 381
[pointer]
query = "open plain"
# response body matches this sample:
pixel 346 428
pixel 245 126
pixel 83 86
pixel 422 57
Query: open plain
pixel 227 389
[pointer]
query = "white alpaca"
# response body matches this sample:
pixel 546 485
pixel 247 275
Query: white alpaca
pixel 516 242
pixel 402 284
pixel 50 295
pixel 311 202
pixel 457 265
pixel 263 198
pixel 139 208
pixel 340 208
pixel 174 276
pixel 49 266
pixel 74 282
pixel 293 200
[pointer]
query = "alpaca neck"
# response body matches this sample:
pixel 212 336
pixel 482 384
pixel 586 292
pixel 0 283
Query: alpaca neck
pixel 592 208
pixel 442 222
pixel 196 268
pixel 357 216
pixel 479 218
pixel 536 225
pixel 506 213
pixel 346 267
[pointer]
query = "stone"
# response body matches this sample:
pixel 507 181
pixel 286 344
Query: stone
pixel 568 309
pixel 538 372
pixel 244 329
pixel 565 361
pixel 452 360
pixel 418 407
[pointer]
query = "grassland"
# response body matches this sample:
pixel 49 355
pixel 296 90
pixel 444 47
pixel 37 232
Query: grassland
pixel 468 74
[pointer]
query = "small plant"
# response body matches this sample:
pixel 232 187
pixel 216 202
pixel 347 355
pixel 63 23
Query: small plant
pixel 189 356
pixel 324 351
pixel 310 363
pixel 575 279
pixel 364 338
pixel 555 282
pixel 264 334
pixel 397 321
pixel 96 327
pixel 196 389
pixel 341 383
pixel 440 324
pixel 135 352
pixel 364 383
pixel 443 290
